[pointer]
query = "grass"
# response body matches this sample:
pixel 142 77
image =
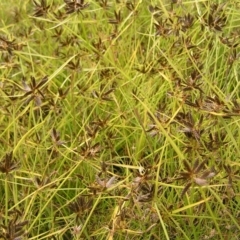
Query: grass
pixel 119 119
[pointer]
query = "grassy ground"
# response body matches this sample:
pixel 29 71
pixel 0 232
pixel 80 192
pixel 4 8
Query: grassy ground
pixel 119 119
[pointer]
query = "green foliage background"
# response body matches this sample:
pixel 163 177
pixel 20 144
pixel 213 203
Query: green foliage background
pixel 119 119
